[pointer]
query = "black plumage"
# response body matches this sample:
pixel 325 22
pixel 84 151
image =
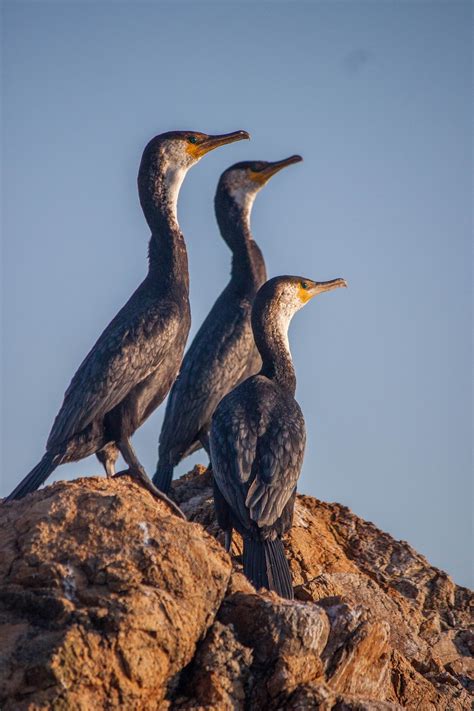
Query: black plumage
pixel 223 352
pixel 133 364
pixel 258 437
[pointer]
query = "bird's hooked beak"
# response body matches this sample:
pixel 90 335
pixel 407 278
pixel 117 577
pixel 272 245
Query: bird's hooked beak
pixel 208 143
pixel 262 176
pixel 317 287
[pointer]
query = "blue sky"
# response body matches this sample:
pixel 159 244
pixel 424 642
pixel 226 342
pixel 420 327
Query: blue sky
pixel 376 97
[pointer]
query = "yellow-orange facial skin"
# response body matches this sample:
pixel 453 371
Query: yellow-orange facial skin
pixel 305 295
pixel 259 177
pixel 196 151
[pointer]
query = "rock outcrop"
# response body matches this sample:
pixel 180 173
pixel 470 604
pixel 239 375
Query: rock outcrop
pixel 108 601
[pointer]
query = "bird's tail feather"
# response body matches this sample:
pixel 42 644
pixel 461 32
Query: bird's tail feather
pixel 36 477
pixel 265 565
pixel 163 476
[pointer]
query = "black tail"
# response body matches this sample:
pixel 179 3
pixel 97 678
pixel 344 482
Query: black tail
pixel 36 477
pixel 163 476
pixel 265 565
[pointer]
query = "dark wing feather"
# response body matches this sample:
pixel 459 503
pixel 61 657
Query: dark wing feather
pixel 131 347
pixel 257 446
pixel 233 444
pixel 280 455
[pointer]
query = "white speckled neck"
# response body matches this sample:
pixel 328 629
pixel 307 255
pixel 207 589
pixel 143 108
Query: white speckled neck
pixel 174 163
pixel 270 323
pixel 173 179
pixel 243 198
pixel 288 305
pixel 242 190
pixel 282 325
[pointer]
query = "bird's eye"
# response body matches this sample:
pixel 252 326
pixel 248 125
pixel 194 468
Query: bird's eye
pixel 304 285
pixel 192 139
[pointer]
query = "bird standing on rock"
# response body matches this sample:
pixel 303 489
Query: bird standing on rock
pixel 223 352
pixel 258 437
pixel 132 366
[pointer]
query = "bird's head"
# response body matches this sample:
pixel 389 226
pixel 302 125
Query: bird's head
pixel 242 181
pixel 285 295
pixel 180 150
pixel 167 158
pixel 235 194
pixel 275 304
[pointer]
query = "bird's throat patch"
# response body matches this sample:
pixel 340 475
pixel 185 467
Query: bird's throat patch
pixel 258 177
pixel 304 295
pixel 195 151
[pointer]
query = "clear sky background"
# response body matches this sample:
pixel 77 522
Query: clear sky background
pixel 376 97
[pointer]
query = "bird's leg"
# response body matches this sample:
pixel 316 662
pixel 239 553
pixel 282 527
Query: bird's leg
pixel 228 540
pixel 204 439
pixel 138 473
pixel 103 459
pixel 107 456
pixel 109 468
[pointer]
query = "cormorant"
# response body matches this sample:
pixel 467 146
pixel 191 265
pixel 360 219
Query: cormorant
pixel 132 366
pixel 258 436
pixel 223 352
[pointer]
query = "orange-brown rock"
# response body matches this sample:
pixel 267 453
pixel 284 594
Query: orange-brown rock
pixel 109 602
pixel 400 629
pixel 104 595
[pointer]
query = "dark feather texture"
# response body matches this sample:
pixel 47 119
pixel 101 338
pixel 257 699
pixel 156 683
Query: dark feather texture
pixel 265 565
pixel 257 446
pixel 140 339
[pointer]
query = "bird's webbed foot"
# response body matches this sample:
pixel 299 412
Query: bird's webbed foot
pixel 124 472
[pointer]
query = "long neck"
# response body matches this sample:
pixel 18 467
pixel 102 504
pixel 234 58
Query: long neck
pixel 167 255
pixel 270 330
pixel 248 271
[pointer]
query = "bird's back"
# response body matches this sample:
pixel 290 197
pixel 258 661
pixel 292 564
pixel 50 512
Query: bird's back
pixel 126 353
pixel 218 359
pixel 257 443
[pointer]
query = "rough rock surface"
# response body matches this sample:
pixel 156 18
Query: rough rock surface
pixel 103 596
pixel 107 601
pixel 397 630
